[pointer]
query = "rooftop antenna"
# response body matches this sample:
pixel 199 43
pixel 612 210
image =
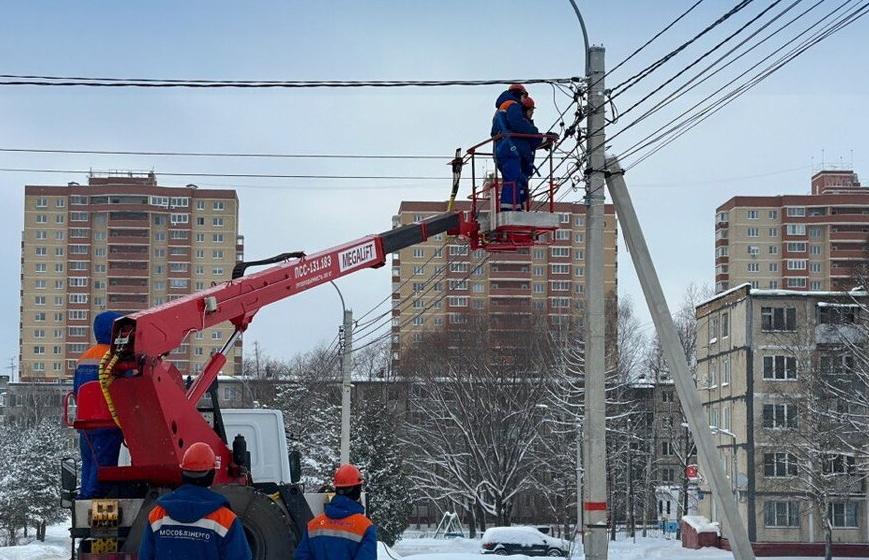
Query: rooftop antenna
pixel 852 160
pixel 822 159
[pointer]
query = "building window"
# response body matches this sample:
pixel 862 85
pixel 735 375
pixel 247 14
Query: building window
pixel 458 301
pixel 753 250
pixel 667 449
pixel 668 476
pixel 781 514
pixel 839 464
pixel 796 247
pixel 779 368
pixel 815 232
pixel 217 222
pixel 217 254
pixel 814 249
pixel 753 232
pixel 560 268
pixel 778 319
pixel 796 264
pixel 779 465
pixel 725 373
pixel 753 214
pixel 667 396
pixel 815 285
pixel 844 514
pixel 753 267
pixel 418 253
pixel 179 218
pixel 562 235
pixel 796 211
pixel 796 282
pixel 796 229
pixel 779 416
pixel 560 251
pixel 773 232
pixel 713 329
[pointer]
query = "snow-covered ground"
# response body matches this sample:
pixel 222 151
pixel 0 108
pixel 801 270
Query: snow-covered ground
pixel 652 548
pixel 56 547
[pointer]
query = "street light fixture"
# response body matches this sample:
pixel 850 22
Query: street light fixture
pixel 346 341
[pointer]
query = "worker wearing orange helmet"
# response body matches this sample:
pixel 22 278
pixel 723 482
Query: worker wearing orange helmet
pixel 193 522
pixel 342 532
pixel 511 152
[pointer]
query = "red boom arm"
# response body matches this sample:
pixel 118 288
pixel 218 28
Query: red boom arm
pixel 158 417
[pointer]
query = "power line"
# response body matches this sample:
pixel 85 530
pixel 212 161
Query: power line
pixel 242 175
pixel 68 81
pixel 636 78
pixel 684 89
pixel 690 122
pixel 658 34
pixel 704 55
pixel 222 154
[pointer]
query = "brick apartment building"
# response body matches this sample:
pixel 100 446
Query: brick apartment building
pixel 123 243
pixel 438 282
pixel 794 242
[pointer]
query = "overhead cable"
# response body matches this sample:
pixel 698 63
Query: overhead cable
pixel 67 81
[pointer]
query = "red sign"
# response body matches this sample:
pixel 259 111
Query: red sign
pixel 691 472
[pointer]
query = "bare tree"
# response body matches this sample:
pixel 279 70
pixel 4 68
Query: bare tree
pixel 477 414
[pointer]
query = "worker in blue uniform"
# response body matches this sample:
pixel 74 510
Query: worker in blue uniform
pixel 97 447
pixel 511 150
pixel 194 522
pixel 342 532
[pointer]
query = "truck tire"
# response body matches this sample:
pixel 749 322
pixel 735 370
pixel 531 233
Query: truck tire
pixel 266 526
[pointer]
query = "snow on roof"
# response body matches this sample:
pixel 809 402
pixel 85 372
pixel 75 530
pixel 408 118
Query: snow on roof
pixel 722 294
pixel 852 293
pixel 701 524
pixel 831 304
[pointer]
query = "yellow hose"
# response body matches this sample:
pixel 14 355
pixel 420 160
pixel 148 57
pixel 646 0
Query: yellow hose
pixel 107 364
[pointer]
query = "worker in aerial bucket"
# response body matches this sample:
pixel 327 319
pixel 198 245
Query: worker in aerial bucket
pixel 193 522
pixel 510 119
pixel 100 447
pixel 342 532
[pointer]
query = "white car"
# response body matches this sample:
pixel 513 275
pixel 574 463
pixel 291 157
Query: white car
pixel 522 540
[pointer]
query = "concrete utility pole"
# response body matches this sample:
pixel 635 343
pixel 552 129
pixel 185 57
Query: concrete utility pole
pixel 594 427
pixel 346 363
pixel 712 462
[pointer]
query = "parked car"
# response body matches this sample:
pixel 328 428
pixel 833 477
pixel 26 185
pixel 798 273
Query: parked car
pixel 522 540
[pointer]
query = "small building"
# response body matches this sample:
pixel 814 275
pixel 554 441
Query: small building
pixel 769 363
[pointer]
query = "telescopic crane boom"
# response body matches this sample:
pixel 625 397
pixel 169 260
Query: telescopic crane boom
pixel 146 394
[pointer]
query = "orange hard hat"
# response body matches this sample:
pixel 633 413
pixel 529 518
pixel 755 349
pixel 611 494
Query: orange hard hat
pixel 347 475
pixel 528 103
pixel 520 87
pixel 199 457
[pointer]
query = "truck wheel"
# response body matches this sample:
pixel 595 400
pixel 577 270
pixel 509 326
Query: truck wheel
pixel 266 526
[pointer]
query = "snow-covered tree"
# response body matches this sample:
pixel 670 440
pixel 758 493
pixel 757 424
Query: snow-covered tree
pixel 374 449
pixel 30 476
pixel 477 410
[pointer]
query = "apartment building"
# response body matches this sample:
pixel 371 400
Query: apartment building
pixel 794 242
pixel 123 243
pixel 770 368
pixel 437 283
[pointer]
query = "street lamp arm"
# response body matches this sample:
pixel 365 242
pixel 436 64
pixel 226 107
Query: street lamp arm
pixel 584 32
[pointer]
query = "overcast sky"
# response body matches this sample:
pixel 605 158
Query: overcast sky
pixel 765 142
